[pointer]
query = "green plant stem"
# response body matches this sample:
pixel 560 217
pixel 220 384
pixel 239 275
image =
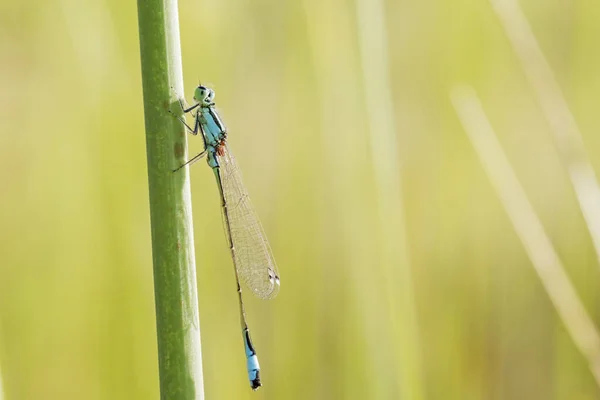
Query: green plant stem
pixel 177 321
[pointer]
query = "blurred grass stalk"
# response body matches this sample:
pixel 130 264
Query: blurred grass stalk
pixel 1 384
pixel 538 246
pixel 556 110
pixel 177 321
pixel 373 45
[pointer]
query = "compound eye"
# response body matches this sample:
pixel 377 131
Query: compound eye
pixel 210 95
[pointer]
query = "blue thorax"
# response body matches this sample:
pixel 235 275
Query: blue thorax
pixel 214 132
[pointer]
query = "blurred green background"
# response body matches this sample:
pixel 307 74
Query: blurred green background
pixel 451 310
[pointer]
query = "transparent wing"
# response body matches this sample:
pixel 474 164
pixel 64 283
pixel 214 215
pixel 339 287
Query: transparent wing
pixel 252 254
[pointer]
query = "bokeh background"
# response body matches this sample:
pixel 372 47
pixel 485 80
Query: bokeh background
pixel 402 276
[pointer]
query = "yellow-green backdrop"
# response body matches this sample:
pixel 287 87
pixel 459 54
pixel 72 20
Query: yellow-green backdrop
pixel 432 297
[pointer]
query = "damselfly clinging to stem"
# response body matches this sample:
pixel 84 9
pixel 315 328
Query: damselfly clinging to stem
pixel 252 257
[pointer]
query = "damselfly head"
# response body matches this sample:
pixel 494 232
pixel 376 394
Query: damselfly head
pixel 200 94
pixel 204 95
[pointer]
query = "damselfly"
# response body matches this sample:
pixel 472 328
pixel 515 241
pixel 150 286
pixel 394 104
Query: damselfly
pixel 252 257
